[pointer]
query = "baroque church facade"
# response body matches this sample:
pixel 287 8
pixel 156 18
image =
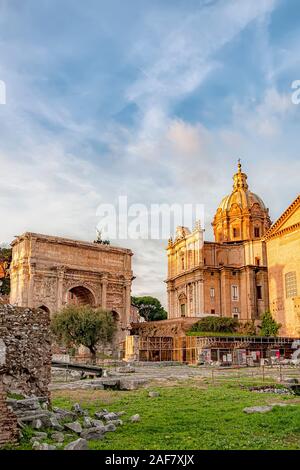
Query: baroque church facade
pixel 227 277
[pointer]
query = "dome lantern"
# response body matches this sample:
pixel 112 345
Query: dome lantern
pixel 242 214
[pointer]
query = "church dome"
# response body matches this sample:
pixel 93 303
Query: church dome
pixel 242 215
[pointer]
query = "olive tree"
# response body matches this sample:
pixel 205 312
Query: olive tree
pixel 83 325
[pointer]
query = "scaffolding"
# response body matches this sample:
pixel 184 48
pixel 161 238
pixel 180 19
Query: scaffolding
pixel 231 350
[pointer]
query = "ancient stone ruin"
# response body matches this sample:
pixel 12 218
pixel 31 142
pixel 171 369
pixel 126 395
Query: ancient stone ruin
pixel 25 341
pixel 25 360
pixel 8 421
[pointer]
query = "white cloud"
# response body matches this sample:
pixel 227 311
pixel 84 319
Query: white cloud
pixel 53 180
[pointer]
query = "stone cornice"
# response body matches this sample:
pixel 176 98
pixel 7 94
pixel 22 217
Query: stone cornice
pixel 70 242
pixel 274 230
pixel 284 231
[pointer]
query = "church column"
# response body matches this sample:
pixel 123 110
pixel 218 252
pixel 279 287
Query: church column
pixel 226 294
pixel 196 297
pixel 201 297
pixel 251 293
pixel 194 300
pixel 188 304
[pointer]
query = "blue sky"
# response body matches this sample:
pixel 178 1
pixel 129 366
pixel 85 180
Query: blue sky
pixel 151 99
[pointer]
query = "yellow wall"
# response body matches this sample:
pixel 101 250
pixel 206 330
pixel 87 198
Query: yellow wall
pixel 283 252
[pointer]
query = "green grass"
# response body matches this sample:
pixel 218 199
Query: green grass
pixel 190 417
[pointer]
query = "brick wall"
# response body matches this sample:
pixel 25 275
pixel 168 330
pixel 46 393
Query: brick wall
pixel 8 421
pixel 25 350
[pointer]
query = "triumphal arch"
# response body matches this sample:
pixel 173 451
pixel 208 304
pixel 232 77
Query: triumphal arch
pixel 51 272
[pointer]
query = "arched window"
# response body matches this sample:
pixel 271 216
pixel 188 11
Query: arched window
pixel 256 232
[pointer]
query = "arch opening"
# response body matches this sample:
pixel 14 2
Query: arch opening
pixel 43 307
pixel 80 295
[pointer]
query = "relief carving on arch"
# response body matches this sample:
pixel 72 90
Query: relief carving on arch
pixel 45 289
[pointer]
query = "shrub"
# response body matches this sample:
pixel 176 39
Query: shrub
pixel 269 326
pixel 216 325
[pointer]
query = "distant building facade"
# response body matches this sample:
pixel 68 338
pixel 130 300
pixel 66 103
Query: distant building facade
pixel 283 250
pixel 51 272
pixel 227 277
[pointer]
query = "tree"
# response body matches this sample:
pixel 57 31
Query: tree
pixel 83 325
pixel 5 260
pixel 269 326
pixel 150 308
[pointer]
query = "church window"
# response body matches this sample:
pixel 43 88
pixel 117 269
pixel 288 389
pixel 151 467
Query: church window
pixel 257 261
pixel 235 292
pixel 235 312
pixel 182 262
pixel 291 284
pixel 182 310
pixel 212 292
pixel 259 292
pixel 212 311
pixel 236 232
pixel 256 232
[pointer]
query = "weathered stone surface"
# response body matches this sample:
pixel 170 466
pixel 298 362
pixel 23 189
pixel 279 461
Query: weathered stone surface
pixel 93 434
pixel 135 418
pixel 153 394
pixel 27 404
pixel 44 446
pixel 110 416
pixel 75 427
pixel 40 435
pixel 54 423
pixel 8 421
pixel 116 422
pixel 37 424
pixel 97 423
pixel 110 427
pixel 79 444
pixel 25 333
pixel 126 370
pixel 101 414
pixel 257 409
pixel 60 413
pixel 58 437
pixel 127 384
pixel 87 422
pixel 111 383
pixel 78 410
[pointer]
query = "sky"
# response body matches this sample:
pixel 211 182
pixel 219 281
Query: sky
pixel 149 99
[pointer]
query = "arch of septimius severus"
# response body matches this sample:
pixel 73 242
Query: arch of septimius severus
pixel 50 272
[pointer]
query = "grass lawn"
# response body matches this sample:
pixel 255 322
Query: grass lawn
pixel 191 417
